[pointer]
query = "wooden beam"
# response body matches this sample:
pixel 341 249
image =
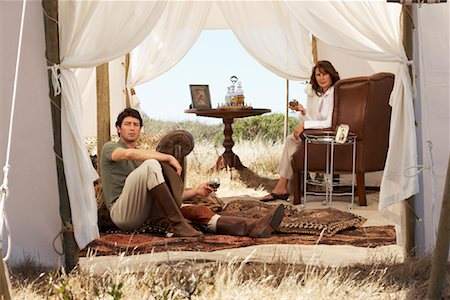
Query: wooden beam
pixel 103 110
pixel 439 264
pixel 417 1
pixel 127 72
pixel 314 48
pixel 286 112
pixel 5 285
pixel 410 216
pixel 71 251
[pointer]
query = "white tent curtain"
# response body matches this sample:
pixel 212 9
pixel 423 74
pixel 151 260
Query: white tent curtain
pixel 271 35
pixel 370 30
pixel 92 33
pixel 172 37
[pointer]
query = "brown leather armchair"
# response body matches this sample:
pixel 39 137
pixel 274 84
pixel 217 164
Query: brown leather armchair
pixel 363 104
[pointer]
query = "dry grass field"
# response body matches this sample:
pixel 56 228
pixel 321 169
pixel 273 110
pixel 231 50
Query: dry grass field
pixel 378 279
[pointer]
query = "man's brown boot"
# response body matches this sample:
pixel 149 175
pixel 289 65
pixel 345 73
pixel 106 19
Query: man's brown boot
pixel 250 227
pixel 199 214
pixel 171 211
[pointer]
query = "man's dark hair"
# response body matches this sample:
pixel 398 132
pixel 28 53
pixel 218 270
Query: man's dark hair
pixel 129 112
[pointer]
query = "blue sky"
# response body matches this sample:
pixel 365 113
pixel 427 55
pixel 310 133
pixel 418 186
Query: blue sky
pixel 214 58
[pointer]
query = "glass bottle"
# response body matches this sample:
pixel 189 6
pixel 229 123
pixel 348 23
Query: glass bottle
pixel 239 94
pixel 233 96
pixel 228 96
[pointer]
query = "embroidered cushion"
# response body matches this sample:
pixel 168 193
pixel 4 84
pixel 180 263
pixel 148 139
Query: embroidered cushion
pixel 308 221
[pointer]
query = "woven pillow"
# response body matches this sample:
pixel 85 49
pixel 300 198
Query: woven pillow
pixel 308 221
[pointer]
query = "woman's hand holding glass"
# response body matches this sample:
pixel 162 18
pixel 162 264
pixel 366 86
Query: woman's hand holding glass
pixel 301 109
pixel 296 106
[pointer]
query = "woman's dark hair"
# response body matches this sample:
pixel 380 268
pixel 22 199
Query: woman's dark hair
pixel 325 67
pixel 129 112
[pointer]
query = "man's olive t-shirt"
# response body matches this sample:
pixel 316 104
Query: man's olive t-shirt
pixel 114 173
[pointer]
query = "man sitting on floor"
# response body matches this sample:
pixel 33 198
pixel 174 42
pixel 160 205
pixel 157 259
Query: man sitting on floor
pixel 135 190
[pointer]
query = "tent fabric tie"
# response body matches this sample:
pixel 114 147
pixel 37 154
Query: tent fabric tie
pixel 55 69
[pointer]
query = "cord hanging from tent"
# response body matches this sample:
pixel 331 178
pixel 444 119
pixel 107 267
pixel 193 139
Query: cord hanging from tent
pixel 420 169
pixel 4 187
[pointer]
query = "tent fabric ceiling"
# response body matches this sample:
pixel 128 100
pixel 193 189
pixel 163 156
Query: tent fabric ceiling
pixel 215 19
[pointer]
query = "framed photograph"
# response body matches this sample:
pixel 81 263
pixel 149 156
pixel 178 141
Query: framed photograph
pixel 342 133
pixel 200 96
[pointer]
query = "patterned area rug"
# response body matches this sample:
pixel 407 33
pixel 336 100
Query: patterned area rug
pixel 299 227
pixel 116 243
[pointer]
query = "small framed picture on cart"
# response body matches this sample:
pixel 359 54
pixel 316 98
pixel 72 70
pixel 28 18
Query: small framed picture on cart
pixel 201 98
pixel 342 133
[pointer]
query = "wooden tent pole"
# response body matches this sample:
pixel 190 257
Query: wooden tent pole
pixel 71 251
pixel 314 48
pixel 5 285
pixel 103 110
pixel 410 216
pixel 286 112
pixel 127 72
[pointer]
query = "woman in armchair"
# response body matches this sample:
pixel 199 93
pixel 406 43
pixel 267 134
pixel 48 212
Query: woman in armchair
pixel 318 115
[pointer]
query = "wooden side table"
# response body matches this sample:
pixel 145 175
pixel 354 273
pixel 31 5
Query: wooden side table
pixel 228 158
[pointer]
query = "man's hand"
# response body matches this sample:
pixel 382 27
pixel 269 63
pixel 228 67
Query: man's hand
pixel 204 189
pixel 298 131
pixel 175 164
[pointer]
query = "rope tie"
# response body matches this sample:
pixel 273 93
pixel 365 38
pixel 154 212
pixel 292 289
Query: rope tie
pixel 55 69
pixel 67 228
pixel 55 104
pixel 58 156
pixel 421 168
pixel 64 229
pixel 4 191
pixel 413 211
pixel 50 18
pixel 4 186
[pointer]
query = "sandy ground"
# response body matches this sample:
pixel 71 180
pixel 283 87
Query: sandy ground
pixel 311 254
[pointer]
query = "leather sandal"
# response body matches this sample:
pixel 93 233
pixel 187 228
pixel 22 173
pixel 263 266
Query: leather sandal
pixel 272 197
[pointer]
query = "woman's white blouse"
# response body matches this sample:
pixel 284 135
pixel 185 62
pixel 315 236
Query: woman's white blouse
pixel 319 110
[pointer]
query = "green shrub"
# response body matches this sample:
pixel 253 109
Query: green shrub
pixel 267 127
pixel 199 131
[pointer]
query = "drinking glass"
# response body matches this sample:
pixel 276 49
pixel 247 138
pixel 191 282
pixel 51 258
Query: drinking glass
pixel 293 105
pixel 215 184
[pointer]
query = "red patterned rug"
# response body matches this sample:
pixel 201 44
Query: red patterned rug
pixel 116 243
